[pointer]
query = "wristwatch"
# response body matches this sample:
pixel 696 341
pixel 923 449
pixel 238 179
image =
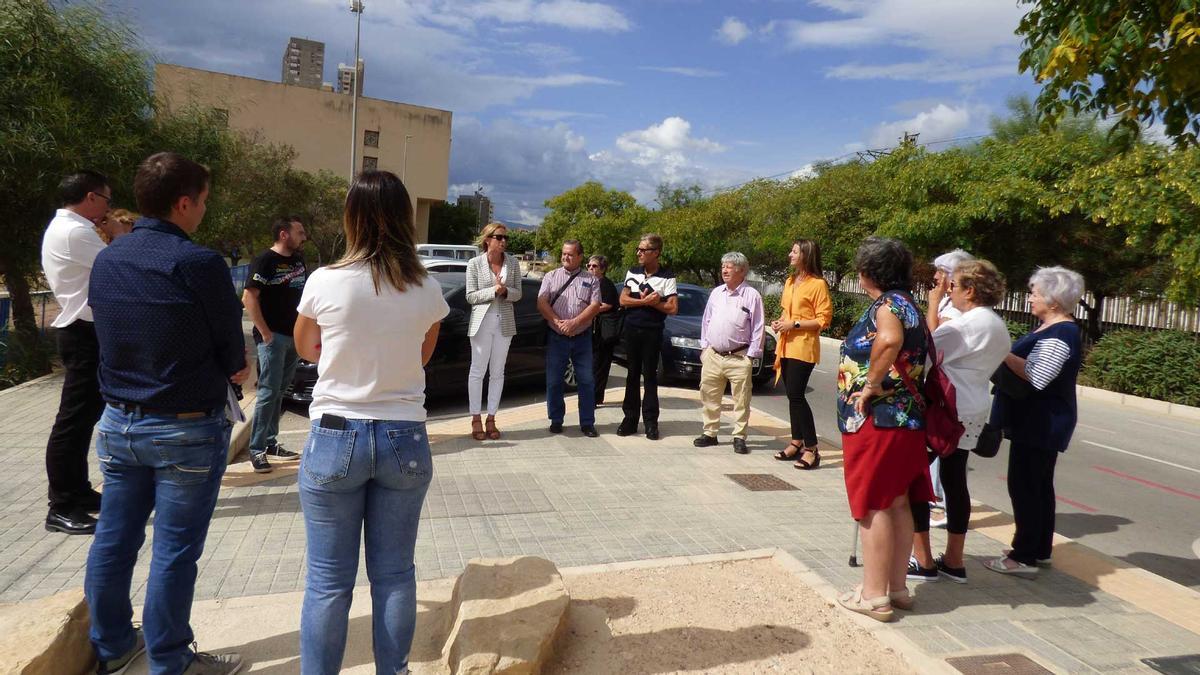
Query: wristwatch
pixel 796 325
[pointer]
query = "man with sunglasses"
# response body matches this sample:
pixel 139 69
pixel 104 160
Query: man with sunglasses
pixel 69 250
pixel 648 296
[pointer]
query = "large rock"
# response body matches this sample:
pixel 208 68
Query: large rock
pixel 48 636
pixel 506 616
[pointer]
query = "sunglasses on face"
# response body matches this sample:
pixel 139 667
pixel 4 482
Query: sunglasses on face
pixel 593 266
pixel 646 250
pixel 106 198
pixel 498 237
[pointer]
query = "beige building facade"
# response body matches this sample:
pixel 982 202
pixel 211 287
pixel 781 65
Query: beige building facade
pixel 411 141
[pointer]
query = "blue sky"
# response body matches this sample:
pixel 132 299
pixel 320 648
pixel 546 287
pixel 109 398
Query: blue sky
pixel 547 94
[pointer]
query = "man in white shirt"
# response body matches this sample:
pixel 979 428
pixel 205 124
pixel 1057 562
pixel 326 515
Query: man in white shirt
pixel 69 249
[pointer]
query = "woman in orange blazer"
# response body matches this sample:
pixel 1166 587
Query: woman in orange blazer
pixel 806 310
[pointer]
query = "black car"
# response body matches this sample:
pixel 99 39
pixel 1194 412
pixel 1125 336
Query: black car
pixel 446 373
pixel 680 360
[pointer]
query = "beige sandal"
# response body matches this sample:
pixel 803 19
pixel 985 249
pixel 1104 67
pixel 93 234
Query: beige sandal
pixel 901 599
pixel 879 608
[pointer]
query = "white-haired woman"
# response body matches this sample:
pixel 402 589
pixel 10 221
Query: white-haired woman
pixel 940 308
pixel 493 285
pixel 1035 406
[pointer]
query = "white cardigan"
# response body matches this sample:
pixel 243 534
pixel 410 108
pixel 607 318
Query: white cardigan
pixel 481 294
pixel 972 347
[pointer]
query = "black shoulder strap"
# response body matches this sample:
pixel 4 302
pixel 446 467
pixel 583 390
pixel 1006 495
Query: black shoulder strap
pixel 559 292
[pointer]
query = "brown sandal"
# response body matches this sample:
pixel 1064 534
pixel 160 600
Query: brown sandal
pixel 477 429
pixel 492 432
pixel 805 465
pixel 784 457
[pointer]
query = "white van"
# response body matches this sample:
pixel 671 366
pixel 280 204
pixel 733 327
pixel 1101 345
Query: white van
pixel 456 251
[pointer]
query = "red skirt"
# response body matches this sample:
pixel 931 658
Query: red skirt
pixel 882 464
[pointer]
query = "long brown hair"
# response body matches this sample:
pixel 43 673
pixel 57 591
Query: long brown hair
pixel 379 230
pixel 810 254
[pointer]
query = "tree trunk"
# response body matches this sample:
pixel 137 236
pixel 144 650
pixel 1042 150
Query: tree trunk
pixel 26 353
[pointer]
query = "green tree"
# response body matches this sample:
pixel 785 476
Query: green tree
pixel 1138 60
pixel 602 220
pixel 521 241
pixel 452 224
pixel 73 95
pixel 670 196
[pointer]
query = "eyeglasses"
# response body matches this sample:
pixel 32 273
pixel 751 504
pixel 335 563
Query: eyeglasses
pixel 106 198
pixel 645 250
pixel 498 237
pixel 593 266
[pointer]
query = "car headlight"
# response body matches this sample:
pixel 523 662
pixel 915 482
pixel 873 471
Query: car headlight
pixel 685 342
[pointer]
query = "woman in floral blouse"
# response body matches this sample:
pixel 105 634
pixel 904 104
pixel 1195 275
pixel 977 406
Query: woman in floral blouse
pixel 883 441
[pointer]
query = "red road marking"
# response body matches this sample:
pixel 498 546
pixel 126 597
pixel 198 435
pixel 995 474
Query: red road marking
pixel 1148 483
pixel 1068 502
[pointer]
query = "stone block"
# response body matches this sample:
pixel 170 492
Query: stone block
pixel 47 636
pixel 506 615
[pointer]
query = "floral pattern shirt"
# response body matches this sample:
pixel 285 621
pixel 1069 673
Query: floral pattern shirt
pixel 897 408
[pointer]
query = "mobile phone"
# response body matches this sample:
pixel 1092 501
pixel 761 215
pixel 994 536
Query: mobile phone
pixel 335 422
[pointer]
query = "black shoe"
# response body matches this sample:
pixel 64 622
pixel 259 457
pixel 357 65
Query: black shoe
pixel 739 446
pixel 589 431
pixel 258 460
pixel 215 664
pixel 556 427
pixel 652 432
pixel 956 574
pixel 704 441
pixel 90 501
pixel 918 573
pixel 627 429
pixel 120 665
pixel 75 522
pixel 281 452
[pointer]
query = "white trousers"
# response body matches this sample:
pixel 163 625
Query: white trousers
pixel 489 352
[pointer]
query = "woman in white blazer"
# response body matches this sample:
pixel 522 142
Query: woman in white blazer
pixel 493 285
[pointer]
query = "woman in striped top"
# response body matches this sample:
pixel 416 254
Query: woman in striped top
pixel 1039 418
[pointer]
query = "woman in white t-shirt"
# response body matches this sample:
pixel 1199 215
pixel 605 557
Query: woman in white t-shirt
pixel 370 322
pixel 972 346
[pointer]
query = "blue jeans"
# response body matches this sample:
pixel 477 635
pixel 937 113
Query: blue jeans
pixel 371 476
pixel 578 349
pixel 276 366
pixel 172 467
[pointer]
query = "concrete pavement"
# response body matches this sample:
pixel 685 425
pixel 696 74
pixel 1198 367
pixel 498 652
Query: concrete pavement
pixel 580 501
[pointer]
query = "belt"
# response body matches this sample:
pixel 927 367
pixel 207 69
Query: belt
pixel 139 409
pixel 731 352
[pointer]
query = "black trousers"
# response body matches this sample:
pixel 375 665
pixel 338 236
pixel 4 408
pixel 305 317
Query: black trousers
pixel 79 409
pixel 1031 488
pixel 642 349
pixel 795 379
pixel 602 356
pixel 953 472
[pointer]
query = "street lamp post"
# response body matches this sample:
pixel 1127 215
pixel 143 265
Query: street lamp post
pixel 404 159
pixel 356 7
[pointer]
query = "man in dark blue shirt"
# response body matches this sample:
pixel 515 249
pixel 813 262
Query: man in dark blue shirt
pixel 169 326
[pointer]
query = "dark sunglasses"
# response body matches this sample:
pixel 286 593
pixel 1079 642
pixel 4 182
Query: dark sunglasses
pixel 106 198
pixel 498 237
pixel 645 250
pixel 593 266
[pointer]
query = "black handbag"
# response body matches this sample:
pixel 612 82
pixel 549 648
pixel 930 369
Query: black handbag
pixel 988 444
pixel 609 326
pixel 1010 384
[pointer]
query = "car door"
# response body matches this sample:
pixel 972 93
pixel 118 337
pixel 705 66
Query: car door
pixel 527 353
pixel 447 370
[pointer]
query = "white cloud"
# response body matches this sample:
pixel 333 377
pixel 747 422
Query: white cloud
pixel 807 171
pixel 664 141
pixel 966 40
pixel 938 123
pixel 548 115
pixel 686 72
pixel 573 14
pixel 732 31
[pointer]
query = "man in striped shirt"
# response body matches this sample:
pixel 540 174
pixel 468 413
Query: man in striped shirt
pixel 568 299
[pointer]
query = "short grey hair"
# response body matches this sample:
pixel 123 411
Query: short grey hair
pixel 599 260
pixel 1060 285
pixel 736 259
pixel 948 262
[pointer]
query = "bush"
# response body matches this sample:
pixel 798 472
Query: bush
pixel 1016 331
pixel 771 307
pixel 848 308
pixel 1158 364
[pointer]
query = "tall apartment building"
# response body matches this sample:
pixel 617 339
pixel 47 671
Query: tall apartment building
pixel 303 63
pixel 346 78
pixel 482 206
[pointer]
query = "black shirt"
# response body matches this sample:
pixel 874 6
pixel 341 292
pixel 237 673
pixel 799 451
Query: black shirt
pixel 168 320
pixel 280 283
pixel 638 283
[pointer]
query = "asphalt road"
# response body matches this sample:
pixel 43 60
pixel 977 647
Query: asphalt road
pixel 1129 485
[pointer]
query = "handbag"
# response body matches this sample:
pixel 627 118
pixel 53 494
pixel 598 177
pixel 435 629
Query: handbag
pixel 609 326
pixel 937 402
pixel 1010 384
pixel 988 444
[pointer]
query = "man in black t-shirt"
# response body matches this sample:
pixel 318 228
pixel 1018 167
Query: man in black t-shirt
pixel 272 294
pixel 648 296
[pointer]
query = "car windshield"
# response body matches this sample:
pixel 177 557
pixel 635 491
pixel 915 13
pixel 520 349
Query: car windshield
pixel 451 282
pixel 692 302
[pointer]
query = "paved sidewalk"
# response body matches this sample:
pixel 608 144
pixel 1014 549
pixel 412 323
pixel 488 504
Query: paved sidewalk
pixel 580 501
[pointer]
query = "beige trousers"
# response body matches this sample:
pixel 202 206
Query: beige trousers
pixel 715 371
